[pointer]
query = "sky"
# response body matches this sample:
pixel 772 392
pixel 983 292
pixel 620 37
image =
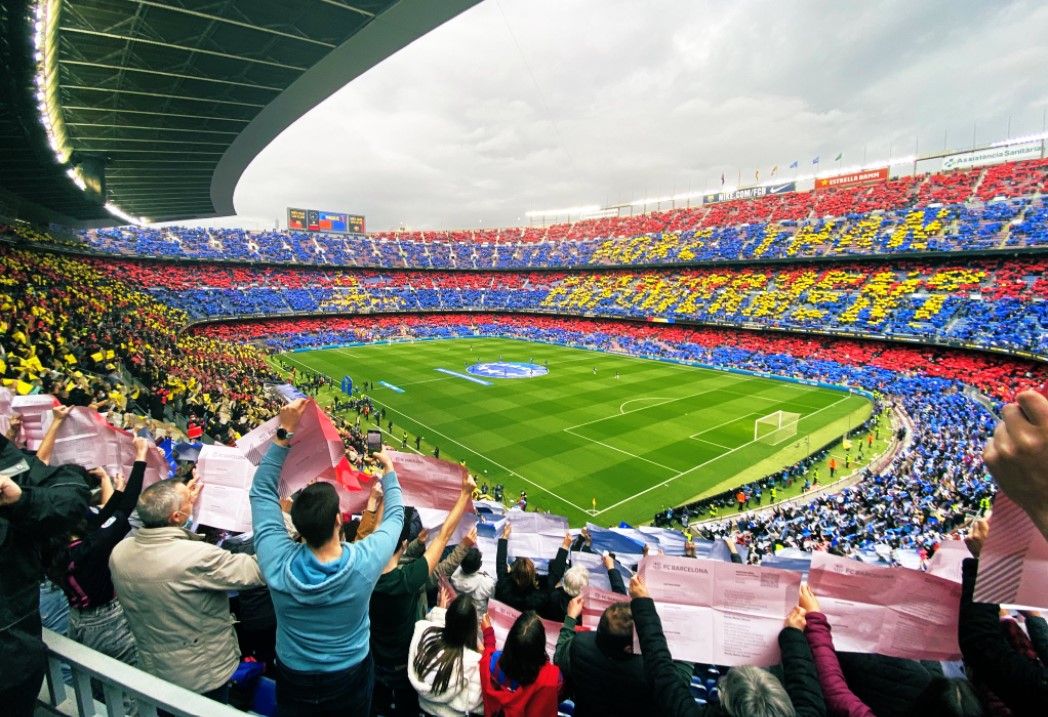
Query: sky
pixel 519 105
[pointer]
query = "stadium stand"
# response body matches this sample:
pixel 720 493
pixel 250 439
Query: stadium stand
pixel 988 303
pixel 118 334
pixel 982 209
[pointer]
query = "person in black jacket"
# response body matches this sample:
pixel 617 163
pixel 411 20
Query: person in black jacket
pixel 1019 682
pixel 802 695
pixel 37 503
pixel 602 673
pixel 518 585
pixel 81 568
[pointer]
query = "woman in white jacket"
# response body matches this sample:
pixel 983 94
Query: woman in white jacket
pixel 444 657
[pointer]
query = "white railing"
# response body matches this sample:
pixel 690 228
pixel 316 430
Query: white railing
pixel 150 693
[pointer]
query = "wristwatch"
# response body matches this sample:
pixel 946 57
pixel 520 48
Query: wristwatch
pixel 283 435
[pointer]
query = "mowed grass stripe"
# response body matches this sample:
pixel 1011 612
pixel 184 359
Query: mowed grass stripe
pixel 515 429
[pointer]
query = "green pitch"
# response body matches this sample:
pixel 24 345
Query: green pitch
pixel 637 435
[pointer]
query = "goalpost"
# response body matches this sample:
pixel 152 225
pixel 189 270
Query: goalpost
pixel 775 428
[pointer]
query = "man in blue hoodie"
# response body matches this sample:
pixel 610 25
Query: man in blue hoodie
pixel 321 587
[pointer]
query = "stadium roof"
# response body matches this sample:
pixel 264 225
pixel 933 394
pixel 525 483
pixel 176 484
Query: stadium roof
pixel 174 98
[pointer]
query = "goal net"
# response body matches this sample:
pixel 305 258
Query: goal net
pixel 776 427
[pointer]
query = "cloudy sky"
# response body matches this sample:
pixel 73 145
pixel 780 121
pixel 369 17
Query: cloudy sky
pixel 520 105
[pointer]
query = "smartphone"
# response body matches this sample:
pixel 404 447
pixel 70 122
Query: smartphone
pixel 374 441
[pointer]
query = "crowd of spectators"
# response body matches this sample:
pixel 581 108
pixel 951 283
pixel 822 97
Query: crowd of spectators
pixel 355 630
pixel 992 303
pixel 353 620
pixel 69 329
pixel 1000 207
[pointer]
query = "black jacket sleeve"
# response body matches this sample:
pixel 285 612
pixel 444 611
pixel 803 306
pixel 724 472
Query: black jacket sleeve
pixel 123 500
pixel 50 504
pixel 1020 683
pixel 502 589
pixel 557 566
pixel 800 677
pixel 672 696
pixel 1037 628
pixel 129 496
pixel 615 578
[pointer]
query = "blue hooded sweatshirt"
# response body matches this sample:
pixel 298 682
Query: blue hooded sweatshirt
pixel 321 608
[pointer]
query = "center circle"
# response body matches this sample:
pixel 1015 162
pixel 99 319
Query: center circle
pixel 508 369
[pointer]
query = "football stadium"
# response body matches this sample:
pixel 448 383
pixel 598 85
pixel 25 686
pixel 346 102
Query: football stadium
pixel 309 408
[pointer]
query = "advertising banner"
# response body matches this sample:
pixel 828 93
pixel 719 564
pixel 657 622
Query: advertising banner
pixel 750 192
pixel 853 178
pixel 993 155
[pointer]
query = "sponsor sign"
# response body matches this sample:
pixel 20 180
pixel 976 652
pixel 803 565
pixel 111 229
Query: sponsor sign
pixel 750 192
pixel 993 155
pixel 314 220
pixel 853 178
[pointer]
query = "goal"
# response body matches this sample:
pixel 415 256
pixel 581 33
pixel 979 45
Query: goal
pixel 776 427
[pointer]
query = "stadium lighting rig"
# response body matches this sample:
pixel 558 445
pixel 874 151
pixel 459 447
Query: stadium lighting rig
pixel 44 23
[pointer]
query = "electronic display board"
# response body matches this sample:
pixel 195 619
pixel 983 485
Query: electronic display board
pixel 315 220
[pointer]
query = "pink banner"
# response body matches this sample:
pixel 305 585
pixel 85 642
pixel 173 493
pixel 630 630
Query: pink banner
pixel 85 438
pixel 1013 564
pixel 255 443
pixel 890 611
pixel 315 449
pixel 946 563
pixel 35 412
pixel 429 482
pixel 720 613
pixel 595 602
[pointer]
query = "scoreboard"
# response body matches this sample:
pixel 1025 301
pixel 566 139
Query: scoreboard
pixel 315 220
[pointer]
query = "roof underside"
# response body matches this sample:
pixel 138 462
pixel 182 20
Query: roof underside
pixel 158 90
pixel 161 89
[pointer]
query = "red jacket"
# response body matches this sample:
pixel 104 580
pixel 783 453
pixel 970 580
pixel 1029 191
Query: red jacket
pixel 539 699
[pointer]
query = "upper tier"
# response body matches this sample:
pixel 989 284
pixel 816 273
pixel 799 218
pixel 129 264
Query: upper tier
pixel 997 303
pixel 999 207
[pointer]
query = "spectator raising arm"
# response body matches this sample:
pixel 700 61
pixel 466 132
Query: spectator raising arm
pixel 614 576
pixel 673 699
pixel 798 668
pixel 1017 455
pixel 436 548
pixel 47 445
pixel 840 700
pixel 1019 682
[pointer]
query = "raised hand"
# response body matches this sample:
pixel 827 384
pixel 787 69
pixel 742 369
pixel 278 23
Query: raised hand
pixel 807 600
pixel 1017 455
pixel 142 446
pixel 195 485
pixel 796 618
pixel 566 542
pixel 575 607
pixel 638 588
pixel 10 492
pixel 470 538
pixel 60 413
pixel 507 529
pixel 980 530
pixel 291 414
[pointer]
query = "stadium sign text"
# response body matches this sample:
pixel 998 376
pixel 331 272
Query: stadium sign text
pixel 847 180
pixel 750 192
pixel 993 155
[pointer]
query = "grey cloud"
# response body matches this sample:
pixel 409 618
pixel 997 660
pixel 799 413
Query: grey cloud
pixel 609 100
